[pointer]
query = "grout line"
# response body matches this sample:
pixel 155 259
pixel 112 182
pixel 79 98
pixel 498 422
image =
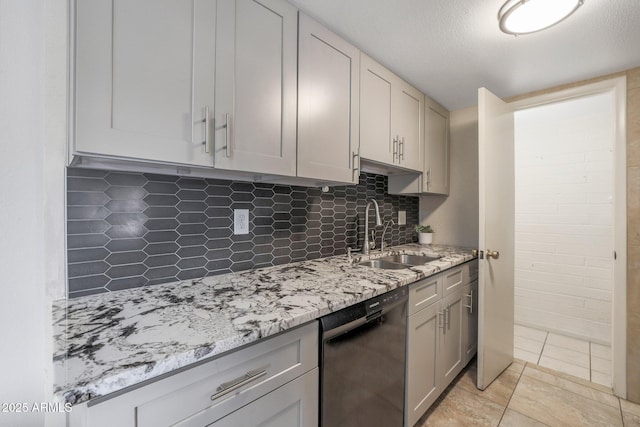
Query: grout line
pixel 621 413
pixel 542 350
pixel 513 392
pixel 590 368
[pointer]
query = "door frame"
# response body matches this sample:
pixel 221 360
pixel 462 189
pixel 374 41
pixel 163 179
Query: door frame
pixel 617 87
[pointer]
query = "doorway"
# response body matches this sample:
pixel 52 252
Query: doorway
pixel 570 228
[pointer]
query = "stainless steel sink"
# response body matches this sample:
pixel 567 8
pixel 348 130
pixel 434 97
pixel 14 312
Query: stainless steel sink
pixel 410 260
pixel 385 265
pixel 398 262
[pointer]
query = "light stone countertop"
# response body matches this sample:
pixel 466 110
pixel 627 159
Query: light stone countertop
pixel 107 342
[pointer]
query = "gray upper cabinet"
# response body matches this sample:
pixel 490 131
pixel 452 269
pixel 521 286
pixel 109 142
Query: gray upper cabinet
pixel 328 101
pixel 391 118
pixel 141 91
pixel 436 144
pixel 255 82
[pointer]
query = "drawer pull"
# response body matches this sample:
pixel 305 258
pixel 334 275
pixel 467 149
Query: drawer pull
pixel 229 386
pixel 470 306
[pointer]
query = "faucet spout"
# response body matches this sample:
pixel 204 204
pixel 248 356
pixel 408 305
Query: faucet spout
pixel 367 246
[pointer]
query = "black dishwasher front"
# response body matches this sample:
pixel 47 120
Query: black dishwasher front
pixel 363 363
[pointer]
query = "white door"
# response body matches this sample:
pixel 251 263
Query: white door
pixel 256 74
pixel 142 91
pixel 496 236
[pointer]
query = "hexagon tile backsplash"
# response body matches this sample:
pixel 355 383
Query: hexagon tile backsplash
pixel 126 230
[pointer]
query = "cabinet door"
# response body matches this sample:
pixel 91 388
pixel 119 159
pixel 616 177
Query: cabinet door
pixel 450 344
pixel 407 122
pixel 436 153
pixel 328 109
pixel 295 404
pixel 470 322
pixel 141 91
pixel 255 105
pixel 376 141
pixel 423 385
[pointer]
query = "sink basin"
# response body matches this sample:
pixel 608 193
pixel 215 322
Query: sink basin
pixel 410 260
pixel 383 264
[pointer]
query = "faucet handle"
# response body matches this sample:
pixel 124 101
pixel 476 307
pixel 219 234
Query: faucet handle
pixel 350 251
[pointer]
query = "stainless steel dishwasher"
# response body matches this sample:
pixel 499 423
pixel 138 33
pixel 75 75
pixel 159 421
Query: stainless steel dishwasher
pixel 362 359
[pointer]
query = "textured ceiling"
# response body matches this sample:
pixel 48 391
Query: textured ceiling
pixel 450 48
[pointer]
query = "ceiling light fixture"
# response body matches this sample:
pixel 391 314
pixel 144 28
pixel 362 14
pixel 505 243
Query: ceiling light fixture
pixel 529 16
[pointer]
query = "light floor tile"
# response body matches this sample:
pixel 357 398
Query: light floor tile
pixel 573 378
pixel 602 351
pixel 568 342
pixel 601 365
pixel 566 355
pixel 631 420
pixel 527 344
pixel 556 407
pixel 464 409
pixel 513 418
pixel 531 333
pixel 566 367
pixel 630 407
pixel 600 378
pixel 500 390
pixel 571 386
pixel 526 355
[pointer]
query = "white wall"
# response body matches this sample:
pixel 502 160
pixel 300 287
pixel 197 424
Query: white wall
pixel 31 213
pixel 564 217
pixel 455 218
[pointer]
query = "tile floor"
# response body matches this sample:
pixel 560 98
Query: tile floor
pixel 582 359
pixel 526 394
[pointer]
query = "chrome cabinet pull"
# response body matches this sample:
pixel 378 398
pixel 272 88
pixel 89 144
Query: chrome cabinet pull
pixel 355 169
pixel 470 306
pixel 440 324
pixel 227 140
pixel 401 150
pixel 395 147
pixel 206 130
pixel 226 388
pixel 446 316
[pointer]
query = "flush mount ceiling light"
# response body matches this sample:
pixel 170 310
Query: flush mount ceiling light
pixel 529 16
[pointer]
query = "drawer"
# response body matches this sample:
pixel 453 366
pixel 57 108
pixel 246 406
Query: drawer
pixel 234 380
pixel 424 293
pixel 454 279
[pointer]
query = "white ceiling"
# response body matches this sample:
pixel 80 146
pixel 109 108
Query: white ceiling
pixel 450 48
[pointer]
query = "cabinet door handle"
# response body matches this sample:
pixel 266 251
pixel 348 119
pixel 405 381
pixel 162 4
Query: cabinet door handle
pixel 446 316
pixel 355 169
pixel 230 386
pixel 470 306
pixel 395 147
pixel 440 324
pixel 429 178
pixel 227 133
pixel 401 150
pixel 206 130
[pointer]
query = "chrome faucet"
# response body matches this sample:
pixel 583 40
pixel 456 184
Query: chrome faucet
pixel 390 222
pixel 366 246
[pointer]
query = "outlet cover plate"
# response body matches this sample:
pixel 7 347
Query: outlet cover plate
pixel 241 221
pixel 402 217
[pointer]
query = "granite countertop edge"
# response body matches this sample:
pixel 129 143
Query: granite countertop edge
pixel 108 342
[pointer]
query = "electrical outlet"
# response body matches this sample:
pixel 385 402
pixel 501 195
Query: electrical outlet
pixel 241 221
pixel 402 217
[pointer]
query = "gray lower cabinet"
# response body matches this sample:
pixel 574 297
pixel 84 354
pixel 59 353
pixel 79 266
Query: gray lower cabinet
pixel 470 322
pixel 295 404
pixel 273 382
pixel 441 336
